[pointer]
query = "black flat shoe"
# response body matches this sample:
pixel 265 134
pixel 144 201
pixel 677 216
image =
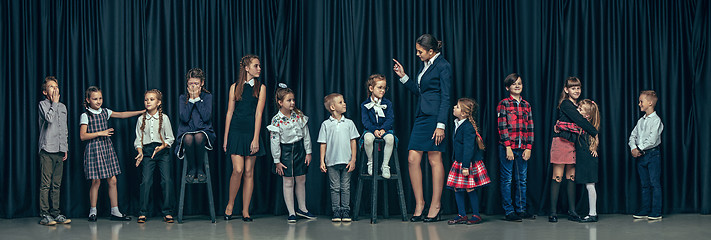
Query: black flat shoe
pixel 416 218
pixel 553 218
pixel 247 219
pixel 120 218
pixel 588 219
pixel 201 177
pixel 572 216
pixel 433 219
pixel 92 218
pixel 228 217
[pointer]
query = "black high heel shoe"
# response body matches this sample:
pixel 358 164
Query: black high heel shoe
pixel 416 218
pixel 433 219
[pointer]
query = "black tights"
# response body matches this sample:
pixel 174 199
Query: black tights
pixel 194 145
pixel 555 188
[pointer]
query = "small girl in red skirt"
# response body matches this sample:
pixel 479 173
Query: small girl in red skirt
pixel 468 171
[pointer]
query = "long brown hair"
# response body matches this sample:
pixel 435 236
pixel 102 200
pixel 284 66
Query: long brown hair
pixel 159 96
pixel 239 85
pixel 591 109
pixel 568 83
pixel 279 96
pixel 470 108
pixel 195 73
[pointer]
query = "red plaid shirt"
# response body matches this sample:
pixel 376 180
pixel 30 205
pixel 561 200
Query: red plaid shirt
pixel 515 123
pixel 569 127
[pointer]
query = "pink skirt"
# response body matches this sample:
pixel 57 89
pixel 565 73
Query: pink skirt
pixel 562 151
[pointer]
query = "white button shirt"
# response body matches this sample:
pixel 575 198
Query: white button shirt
pixel 647 133
pixel 150 133
pixel 288 129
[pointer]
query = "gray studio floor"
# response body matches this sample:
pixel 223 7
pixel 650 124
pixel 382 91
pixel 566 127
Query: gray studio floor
pixel 677 226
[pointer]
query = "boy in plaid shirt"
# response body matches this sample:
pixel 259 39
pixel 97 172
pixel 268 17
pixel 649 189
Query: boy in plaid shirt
pixel 515 125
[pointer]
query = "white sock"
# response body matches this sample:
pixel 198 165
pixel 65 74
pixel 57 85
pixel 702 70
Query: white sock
pixel 368 145
pixel 301 192
pixel 92 211
pixel 115 211
pixel 592 198
pixel 389 143
pixel 288 189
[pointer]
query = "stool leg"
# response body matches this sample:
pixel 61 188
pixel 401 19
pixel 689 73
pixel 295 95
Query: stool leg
pixel 359 191
pixel 374 193
pixel 386 215
pixel 400 191
pixel 209 187
pixel 182 191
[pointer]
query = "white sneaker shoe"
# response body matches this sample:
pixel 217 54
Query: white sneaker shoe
pixel 386 172
pixel 370 168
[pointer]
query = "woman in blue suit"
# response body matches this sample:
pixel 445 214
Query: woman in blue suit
pixel 432 86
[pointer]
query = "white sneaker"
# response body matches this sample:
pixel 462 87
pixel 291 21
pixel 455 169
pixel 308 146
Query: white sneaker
pixel 370 168
pixel 386 172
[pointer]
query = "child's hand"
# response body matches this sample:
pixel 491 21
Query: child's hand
pixel 65 156
pixel 308 159
pixel 161 147
pixel 280 169
pixel 526 154
pixel 254 147
pixel 351 166
pixel 139 157
pixel 399 70
pixel 509 154
pixel 323 166
pixel 465 172
pixel 594 153
pixel 107 132
pixel 193 91
pixel 54 97
pixel 635 152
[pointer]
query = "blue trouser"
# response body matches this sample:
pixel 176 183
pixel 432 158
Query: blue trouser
pixel 339 180
pixel 519 167
pixel 649 168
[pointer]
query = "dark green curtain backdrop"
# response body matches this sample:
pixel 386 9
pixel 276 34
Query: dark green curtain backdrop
pixel 617 48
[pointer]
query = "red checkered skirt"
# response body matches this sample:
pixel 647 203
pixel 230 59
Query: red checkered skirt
pixel 477 176
pixel 100 160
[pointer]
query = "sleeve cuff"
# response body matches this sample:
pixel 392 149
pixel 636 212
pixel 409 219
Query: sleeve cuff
pixel 404 79
pixel 276 160
pixel 441 126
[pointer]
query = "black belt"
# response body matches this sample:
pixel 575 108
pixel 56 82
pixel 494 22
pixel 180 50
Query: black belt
pixel 650 150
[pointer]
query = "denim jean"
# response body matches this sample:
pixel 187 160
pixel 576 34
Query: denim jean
pixel 520 168
pixel 649 168
pixel 340 183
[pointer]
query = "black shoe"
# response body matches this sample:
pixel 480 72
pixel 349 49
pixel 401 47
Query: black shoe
pixel 589 218
pixel 228 217
pixel 247 219
pixel 120 218
pixel 572 216
pixel 416 218
pixel 553 218
pixel 433 219
pixel 512 217
pixel 201 177
pixel 190 176
pixel 92 218
pixel 525 215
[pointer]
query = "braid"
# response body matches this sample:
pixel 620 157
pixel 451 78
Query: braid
pixel 160 123
pixel 143 125
pixel 470 108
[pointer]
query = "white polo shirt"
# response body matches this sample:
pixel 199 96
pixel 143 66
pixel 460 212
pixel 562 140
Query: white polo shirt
pixel 337 135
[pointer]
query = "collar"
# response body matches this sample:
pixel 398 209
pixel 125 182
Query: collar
pixel 431 61
pixel 149 116
pixel 280 115
pixel 250 82
pixel 91 110
pixel 343 119
pixel 458 122
pixel 654 114
pixel 511 98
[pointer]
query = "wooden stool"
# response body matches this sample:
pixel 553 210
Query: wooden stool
pixel 378 145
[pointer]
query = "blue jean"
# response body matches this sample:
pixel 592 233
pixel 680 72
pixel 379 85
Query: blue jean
pixel 339 180
pixel 520 167
pixel 649 168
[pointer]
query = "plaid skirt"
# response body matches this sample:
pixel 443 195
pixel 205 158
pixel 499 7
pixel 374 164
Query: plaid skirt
pixel 100 160
pixel 477 176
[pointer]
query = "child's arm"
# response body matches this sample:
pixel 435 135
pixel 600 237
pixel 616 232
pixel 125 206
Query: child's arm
pixel 633 141
pixel 204 107
pixel 503 126
pixel 137 144
pixel 307 142
pixel 275 140
pixel 351 164
pixel 185 108
pixel 83 135
pixel 168 131
pixel 469 145
pixel 364 111
pixel 323 157
pixel 48 112
pixel 228 116
pixel 389 118
pixel 258 119
pixel 529 134
pixel 655 132
pixel 127 114
pixel 571 111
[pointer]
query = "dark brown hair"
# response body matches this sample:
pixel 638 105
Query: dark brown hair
pixel 281 93
pixel 239 85
pixel 568 83
pixel 428 42
pixel 372 80
pixel 47 80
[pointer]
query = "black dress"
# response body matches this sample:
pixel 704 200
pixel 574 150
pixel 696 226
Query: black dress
pixel 241 132
pixel 586 165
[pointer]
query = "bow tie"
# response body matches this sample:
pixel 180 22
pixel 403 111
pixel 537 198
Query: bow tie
pixel 377 107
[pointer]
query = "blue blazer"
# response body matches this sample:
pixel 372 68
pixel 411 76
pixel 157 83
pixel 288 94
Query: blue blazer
pixel 434 89
pixel 466 151
pixel 369 120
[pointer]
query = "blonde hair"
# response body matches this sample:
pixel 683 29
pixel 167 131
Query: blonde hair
pixel 469 107
pixel 651 96
pixel 159 96
pixel 591 109
pixel 328 100
pixel 372 80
